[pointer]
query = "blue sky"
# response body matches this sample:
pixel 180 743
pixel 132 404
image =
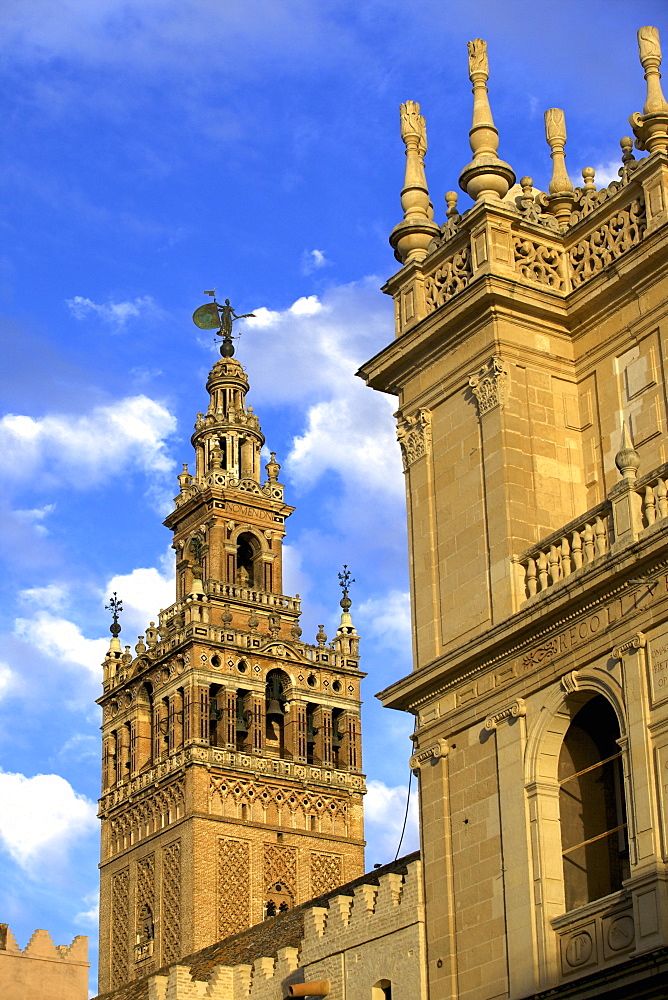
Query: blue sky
pixel 153 149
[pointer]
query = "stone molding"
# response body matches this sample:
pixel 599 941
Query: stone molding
pixel 635 642
pixel 569 682
pixel 515 710
pixel 490 385
pixel 436 751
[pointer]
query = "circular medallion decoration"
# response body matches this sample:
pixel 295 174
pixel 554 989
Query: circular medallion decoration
pixel 620 933
pixel 579 949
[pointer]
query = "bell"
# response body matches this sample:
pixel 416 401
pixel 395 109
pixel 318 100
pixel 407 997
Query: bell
pixel 242 724
pixel 274 708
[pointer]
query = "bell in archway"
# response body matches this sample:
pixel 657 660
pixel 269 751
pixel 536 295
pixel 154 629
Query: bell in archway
pixel 274 709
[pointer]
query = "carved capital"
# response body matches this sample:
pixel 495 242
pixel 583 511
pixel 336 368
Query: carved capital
pixel 637 641
pixel 490 385
pixel 434 752
pixel 414 436
pixel 513 711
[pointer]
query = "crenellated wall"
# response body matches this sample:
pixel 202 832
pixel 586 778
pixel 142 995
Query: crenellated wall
pixel 372 932
pixel 43 970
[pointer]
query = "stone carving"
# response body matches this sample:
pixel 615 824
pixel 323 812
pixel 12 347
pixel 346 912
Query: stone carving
pixel 623 231
pixel 579 949
pixel 414 436
pixel 569 682
pixel 449 278
pixel 413 125
pixel 434 752
pixel 620 933
pixel 478 62
pixel 233 879
pixel 538 262
pixel 120 936
pixel 536 656
pixel 515 711
pixel 637 641
pixel 171 902
pixel 326 873
pixel 490 385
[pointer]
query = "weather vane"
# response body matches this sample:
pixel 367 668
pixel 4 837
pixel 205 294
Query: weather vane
pixel 345 580
pixel 115 605
pixel 213 316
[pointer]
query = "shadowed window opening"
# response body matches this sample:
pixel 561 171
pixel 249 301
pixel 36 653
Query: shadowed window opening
pixel 594 835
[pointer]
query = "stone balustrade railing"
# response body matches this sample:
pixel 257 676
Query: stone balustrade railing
pixel 579 544
pixel 592 536
pixel 234 592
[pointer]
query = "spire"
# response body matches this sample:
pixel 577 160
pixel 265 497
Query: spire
pixel 561 196
pixel 651 127
pixel 411 238
pixel 627 458
pixel 486 178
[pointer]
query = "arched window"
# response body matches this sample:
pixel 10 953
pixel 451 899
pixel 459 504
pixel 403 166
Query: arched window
pixel 248 549
pixel 592 810
pixel 275 699
pixel 279 899
pixel 382 990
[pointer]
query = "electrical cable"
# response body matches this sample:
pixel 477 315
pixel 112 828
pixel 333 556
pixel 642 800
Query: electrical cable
pixel 408 802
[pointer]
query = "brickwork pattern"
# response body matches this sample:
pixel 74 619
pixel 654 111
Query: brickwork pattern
pixel 171 902
pixel 120 934
pixel 233 880
pixel 280 866
pixel 326 872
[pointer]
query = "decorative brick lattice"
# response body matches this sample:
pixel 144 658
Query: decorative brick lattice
pixel 171 902
pixel 325 873
pixel 146 882
pixel 120 933
pixel 233 886
pixel 280 866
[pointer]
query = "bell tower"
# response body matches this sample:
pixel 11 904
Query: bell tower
pixel 232 785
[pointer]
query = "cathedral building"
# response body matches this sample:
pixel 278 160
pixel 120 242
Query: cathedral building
pixel 531 366
pixel 232 784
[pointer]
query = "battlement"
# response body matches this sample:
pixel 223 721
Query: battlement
pixel 43 969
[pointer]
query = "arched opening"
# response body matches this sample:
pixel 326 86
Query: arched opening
pixel 278 899
pixel 275 702
pixel 337 737
pixel 592 809
pixel 242 723
pixel 216 716
pixel 145 934
pixel 382 990
pixel 311 735
pixel 248 549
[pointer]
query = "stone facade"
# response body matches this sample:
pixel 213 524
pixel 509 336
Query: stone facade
pixel 532 338
pixel 232 784
pixel 43 969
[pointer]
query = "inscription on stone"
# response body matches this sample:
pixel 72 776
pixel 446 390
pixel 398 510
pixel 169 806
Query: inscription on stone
pixel 658 669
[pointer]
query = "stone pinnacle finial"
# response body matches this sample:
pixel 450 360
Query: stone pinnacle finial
pixel 561 196
pixel 273 468
pixel 411 237
pixel 651 127
pixel 487 177
pixel 627 458
pixel 346 625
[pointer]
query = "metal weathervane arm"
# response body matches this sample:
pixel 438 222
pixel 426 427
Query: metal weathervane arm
pixel 213 316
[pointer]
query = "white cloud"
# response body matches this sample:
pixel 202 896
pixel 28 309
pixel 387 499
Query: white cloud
pixel 80 746
pixel 312 260
pixel 295 580
pixel 387 620
pixel 144 592
pixel 92 914
pixel 349 428
pixel 62 640
pixel 36 516
pixel 41 815
pixel 52 597
pixel 84 450
pixel 115 313
pixel 384 811
pixel 7 678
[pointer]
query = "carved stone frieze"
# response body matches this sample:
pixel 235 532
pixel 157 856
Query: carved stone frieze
pixel 538 262
pixel 612 239
pixel 453 275
pixel 490 385
pixel 414 436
